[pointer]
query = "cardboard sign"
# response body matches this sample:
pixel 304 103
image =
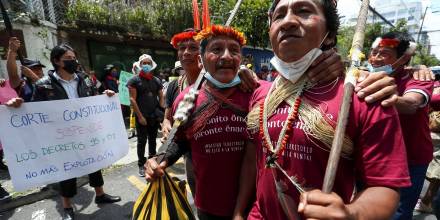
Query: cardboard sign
pixel 47 142
pixel 124 95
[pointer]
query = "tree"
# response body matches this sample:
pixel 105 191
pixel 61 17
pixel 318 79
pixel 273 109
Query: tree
pixel 345 38
pixel 422 57
pixel 401 26
pixel 251 19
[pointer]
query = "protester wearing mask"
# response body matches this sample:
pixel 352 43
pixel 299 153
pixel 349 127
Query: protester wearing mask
pixel 293 120
pixel 390 53
pixel 218 156
pixel 65 83
pixel 147 99
pixel 111 80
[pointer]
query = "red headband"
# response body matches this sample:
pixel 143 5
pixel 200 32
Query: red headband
pixel 219 30
pixel 178 38
pixel 392 43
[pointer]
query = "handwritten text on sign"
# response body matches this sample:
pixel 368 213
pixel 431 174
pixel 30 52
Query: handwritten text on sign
pixel 46 142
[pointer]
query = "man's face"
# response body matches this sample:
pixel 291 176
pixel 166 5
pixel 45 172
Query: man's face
pixel 38 70
pixel 381 56
pixel 222 58
pixel 188 52
pixel 146 61
pixel 297 27
pixel 69 55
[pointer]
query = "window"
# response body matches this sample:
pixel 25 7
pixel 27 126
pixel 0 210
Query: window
pixel 402 11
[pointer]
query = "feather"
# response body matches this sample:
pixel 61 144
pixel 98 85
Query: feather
pixel 196 15
pixel 205 14
pixel 287 203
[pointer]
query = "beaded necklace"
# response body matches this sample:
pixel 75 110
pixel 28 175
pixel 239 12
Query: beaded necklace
pixel 182 83
pixel 283 138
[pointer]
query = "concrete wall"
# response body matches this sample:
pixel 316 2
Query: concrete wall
pixel 79 44
pixel 39 41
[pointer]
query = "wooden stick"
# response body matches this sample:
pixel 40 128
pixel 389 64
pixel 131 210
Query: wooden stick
pixel 233 13
pixel 8 26
pixel 350 82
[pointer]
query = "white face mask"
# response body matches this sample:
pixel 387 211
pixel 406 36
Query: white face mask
pixel 294 70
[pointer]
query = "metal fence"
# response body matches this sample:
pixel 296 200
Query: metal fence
pixel 49 10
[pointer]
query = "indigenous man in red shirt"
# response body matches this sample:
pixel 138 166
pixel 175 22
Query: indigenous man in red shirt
pixel 216 131
pixel 390 53
pixel 328 67
pixel 292 123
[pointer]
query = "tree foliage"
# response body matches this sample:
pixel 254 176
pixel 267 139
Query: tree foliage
pixel 251 18
pixel 163 18
pixel 157 18
pixel 345 38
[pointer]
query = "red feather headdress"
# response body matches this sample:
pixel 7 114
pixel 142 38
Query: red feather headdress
pixel 180 37
pixel 218 30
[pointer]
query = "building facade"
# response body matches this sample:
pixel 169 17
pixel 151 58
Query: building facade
pixel 411 11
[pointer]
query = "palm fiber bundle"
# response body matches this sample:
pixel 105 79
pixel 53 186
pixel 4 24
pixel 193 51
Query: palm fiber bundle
pixel 163 199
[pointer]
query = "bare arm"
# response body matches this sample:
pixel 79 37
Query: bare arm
pixel 375 203
pixel 166 124
pixel 247 182
pixel 11 65
pixel 133 96
pixel 161 99
pixel 29 74
pixel 409 102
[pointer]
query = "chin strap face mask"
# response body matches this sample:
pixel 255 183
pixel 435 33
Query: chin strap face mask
pixel 221 85
pixel 294 70
pixel 390 68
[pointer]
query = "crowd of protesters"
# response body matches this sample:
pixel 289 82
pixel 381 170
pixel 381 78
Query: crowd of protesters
pixel 279 120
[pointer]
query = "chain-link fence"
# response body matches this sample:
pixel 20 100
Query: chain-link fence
pixel 49 10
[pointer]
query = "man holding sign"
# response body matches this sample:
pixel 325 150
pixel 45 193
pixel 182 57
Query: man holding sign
pixel 66 83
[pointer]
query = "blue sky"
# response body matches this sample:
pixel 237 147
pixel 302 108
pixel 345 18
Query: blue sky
pixel 432 20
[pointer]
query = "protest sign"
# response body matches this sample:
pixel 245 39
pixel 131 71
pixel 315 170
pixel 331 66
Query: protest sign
pixel 7 92
pixel 47 142
pixel 124 95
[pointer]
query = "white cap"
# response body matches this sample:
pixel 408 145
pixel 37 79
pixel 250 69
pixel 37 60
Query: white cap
pixel 146 56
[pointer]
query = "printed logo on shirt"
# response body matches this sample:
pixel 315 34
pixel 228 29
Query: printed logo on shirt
pixel 224 147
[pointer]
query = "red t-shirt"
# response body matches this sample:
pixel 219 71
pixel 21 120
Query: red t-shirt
pixel 415 127
pixel 217 154
pixel 379 153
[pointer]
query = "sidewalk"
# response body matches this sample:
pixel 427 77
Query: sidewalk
pixel 37 194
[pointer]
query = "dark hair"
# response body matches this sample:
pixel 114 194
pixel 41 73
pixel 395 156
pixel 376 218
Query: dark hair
pixel 403 38
pixel 331 17
pixel 58 51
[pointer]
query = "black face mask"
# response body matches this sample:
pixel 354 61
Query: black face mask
pixel 70 66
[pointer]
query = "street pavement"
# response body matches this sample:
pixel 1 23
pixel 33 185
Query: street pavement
pixel 121 179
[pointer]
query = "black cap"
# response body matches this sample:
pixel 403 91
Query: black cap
pixel 32 63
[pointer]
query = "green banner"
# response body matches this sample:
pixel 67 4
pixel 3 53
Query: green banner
pixel 124 95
